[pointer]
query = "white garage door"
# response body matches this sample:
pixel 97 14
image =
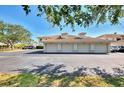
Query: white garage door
pixel 84 48
pixel 100 48
pixel 51 48
pixel 67 47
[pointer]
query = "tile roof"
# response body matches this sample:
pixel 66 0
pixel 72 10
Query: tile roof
pixel 71 39
pixel 111 36
pixel 85 40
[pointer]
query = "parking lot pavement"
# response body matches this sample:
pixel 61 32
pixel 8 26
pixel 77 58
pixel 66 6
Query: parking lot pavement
pixel 29 59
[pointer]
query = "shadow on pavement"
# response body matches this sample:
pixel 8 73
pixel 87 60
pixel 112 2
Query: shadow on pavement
pixel 52 69
pixel 35 52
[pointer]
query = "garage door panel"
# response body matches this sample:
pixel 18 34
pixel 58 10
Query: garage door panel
pixel 51 47
pixel 100 48
pixel 84 48
pixel 67 47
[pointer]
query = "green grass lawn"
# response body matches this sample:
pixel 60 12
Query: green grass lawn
pixel 30 80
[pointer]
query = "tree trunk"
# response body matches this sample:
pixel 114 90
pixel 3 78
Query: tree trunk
pixel 12 46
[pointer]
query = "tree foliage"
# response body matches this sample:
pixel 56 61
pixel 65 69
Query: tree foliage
pixel 83 16
pixel 11 34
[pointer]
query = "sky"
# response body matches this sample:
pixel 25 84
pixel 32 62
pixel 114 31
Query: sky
pixel 39 26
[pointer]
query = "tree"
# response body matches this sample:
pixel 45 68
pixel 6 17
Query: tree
pixel 79 15
pixel 11 34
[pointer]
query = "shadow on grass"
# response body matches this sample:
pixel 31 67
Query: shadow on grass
pixel 55 75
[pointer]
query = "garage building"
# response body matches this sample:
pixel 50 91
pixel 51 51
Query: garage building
pixel 65 43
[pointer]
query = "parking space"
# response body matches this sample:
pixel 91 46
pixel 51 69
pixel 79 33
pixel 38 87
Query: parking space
pixel 28 59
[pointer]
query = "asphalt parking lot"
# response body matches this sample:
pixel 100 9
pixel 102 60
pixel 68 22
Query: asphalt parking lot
pixel 17 62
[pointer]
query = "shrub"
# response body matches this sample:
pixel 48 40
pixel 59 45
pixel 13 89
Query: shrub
pixel 39 47
pixel 3 46
pixel 19 46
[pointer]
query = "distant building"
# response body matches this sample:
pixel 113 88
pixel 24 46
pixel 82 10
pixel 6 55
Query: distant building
pixel 116 39
pixel 112 37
